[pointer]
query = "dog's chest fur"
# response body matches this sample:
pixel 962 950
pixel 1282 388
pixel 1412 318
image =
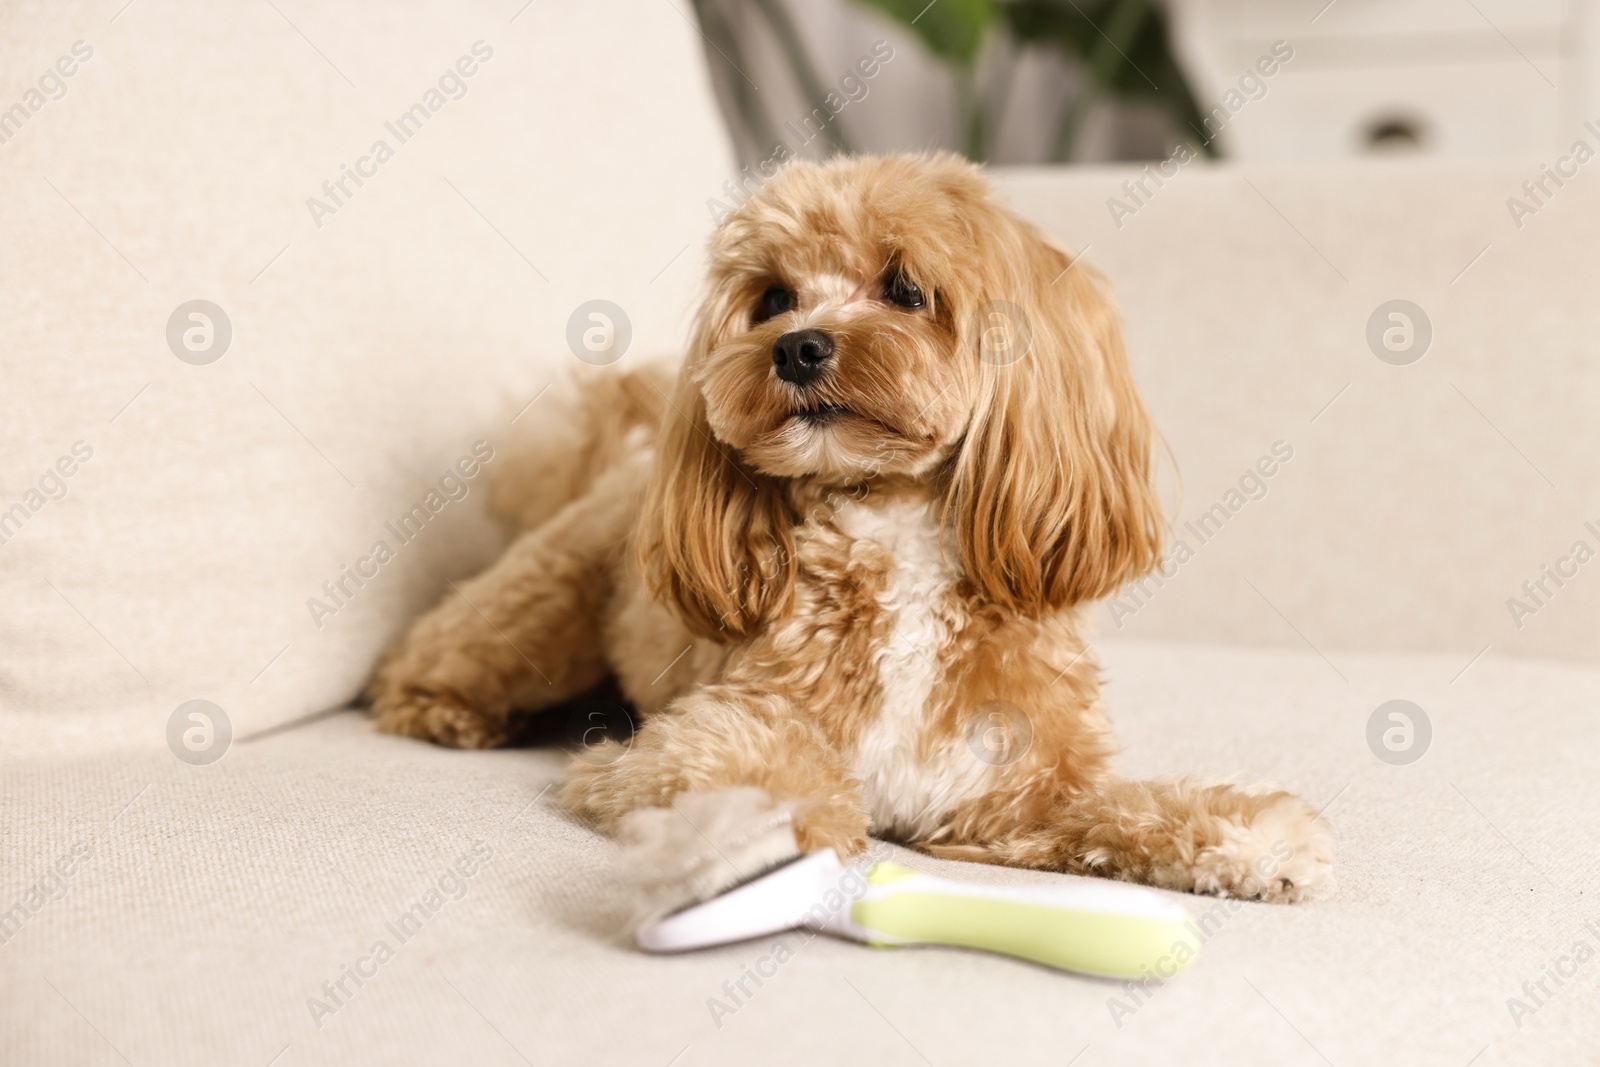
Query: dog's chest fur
pixel 912 771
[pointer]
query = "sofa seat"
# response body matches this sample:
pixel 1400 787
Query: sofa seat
pixel 233 913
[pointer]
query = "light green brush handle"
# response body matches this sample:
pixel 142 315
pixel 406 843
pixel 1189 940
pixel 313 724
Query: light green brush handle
pixel 1104 928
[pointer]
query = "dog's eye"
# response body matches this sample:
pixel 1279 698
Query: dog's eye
pixel 900 290
pixel 774 302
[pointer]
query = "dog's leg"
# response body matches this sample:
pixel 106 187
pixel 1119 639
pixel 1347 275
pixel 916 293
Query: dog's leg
pixel 522 635
pixel 714 789
pixel 1178 834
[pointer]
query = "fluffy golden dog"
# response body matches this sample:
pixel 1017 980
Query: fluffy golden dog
pixel 839 566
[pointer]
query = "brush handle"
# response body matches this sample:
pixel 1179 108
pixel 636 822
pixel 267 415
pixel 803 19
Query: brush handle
pixel 1103 928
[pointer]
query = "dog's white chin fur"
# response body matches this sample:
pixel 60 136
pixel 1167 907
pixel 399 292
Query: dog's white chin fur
pixel 799 449
pixel 703 845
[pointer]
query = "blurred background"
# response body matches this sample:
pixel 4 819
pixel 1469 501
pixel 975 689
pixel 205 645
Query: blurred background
pixel 176 504
pixel 1037 81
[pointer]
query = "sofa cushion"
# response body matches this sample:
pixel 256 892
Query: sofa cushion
pixel 204 907
pixel 1330 491
pixel 175 491
pixel 1422 487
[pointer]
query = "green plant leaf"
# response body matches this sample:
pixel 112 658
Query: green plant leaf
pixel 1126 51
pixel 952 29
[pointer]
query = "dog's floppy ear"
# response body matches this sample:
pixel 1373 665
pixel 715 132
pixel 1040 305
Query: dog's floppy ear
pixel 1051 494
pixel 716 538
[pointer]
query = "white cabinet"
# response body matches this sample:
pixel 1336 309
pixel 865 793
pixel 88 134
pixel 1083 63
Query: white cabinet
pixel 1444 77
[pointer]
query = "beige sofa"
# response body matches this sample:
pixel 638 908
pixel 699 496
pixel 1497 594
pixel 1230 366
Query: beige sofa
pixel 293 889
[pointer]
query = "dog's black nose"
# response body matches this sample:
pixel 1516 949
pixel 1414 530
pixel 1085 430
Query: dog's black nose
pixel 799 356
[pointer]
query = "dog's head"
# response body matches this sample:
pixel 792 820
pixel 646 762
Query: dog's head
pixel 885 318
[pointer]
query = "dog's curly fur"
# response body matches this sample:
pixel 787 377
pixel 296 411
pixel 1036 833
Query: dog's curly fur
pixel 859 595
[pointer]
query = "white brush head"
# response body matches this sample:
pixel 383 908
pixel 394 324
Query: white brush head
pixel 781 899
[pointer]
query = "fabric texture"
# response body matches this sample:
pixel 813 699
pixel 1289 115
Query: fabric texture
pixel 178 516
pixel 1416 502
pixel 216 901
pixel 1420 495
pixel 379 331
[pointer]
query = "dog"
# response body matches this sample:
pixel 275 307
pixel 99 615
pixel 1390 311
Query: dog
pixel 840 564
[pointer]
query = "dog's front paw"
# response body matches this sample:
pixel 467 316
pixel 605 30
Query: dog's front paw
pixel 1274 848
pixel 416 712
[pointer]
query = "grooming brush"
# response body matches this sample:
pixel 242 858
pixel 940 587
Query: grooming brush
pixel 1101 928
